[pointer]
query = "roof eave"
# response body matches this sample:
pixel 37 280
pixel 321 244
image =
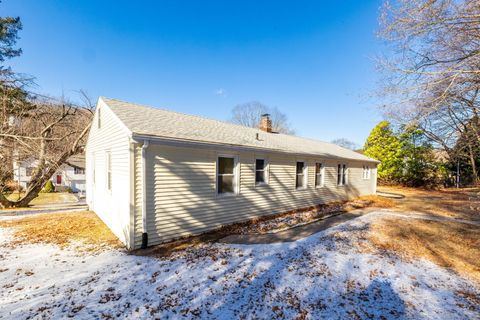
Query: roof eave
pixel 138 138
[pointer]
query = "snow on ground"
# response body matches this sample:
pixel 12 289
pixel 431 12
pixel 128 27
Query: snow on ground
pixel 322 276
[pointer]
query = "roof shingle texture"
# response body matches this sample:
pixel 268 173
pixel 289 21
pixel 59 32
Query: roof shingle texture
pixel 150 121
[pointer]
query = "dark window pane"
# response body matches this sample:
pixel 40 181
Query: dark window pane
pixel 225 165
pixel 344 174
pixel 299 181
pixel 300 166
pixel 339 174
pixel 260 164
pixel 318 167
pixel 260 176
pixel 225 184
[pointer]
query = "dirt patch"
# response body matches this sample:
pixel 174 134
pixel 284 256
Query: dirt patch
pixel 448 244
pixel 455 203
pixel 62 229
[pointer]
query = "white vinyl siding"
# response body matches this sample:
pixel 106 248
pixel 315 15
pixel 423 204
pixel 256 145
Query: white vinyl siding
pixel 182 194
pixel 108 181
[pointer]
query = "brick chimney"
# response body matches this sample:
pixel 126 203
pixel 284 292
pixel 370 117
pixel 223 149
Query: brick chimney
pixel 266 123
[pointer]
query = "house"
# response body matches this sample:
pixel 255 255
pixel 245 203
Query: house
pixel 69 175
pixel 155 175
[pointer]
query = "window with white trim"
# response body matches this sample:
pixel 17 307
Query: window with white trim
pixel 260 171
pixel 301 175
pixel 319 174
pixel 226 175
pixel 366 172
pixel 342 174
pixel 109 171
pixel 77 170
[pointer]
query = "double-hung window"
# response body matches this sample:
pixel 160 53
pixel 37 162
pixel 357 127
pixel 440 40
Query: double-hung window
pixel 301 175
pixel 366 172
pixel 318 174
pixel 226 175
pixel 260 171
pixel 342 174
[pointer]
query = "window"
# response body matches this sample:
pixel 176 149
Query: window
pixel 318 175
pixel 260 171
pixel 366 172
pixel 226 176
pixel 301 179
pixel 342 174
pixel 78 170
pixel 109 171
pixel 99 120
pixel 29 171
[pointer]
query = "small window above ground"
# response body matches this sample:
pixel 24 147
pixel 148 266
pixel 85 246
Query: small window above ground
pixel 260 171
pixel 226 176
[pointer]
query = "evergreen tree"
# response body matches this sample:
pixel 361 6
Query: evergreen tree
pixel 383 145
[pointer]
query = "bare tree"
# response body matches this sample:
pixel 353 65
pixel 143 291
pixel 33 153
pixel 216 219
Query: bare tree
pixel 46 130
pixel 343 142
pixel 249 115
pixel 432 71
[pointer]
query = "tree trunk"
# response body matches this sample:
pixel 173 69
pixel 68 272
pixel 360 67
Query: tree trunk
pixel 471 157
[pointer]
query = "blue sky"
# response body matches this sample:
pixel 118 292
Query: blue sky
pixel 311 59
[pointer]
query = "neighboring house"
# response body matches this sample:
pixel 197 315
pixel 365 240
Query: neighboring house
pixel 69 175
pixel 155 175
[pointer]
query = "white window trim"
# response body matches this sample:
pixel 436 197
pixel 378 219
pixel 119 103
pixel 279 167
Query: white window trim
pixel 366 172
pixel 266 171
pixel 305 175
pixel 341 184
pixel 322 173
pixel 236 175
pixel 108 169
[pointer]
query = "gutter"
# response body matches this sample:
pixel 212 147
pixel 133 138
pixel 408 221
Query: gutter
pixel 144 195
pixel 206 144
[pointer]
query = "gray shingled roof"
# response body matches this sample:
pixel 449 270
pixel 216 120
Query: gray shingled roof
pixel 148 121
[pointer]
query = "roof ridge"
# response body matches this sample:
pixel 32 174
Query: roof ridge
pixel 232 126
pixel 221 121
pixel 190 115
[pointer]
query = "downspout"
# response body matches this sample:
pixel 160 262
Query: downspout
pixel 144 195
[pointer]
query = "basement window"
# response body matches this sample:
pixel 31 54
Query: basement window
pixel 260 171
pixel 342 174
pixel 301 176
pixel 226 175
pixel 319 174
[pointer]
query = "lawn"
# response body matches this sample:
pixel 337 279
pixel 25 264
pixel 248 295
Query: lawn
pixel 392 263
pixel 48 198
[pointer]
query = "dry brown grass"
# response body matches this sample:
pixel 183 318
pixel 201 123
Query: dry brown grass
pixel 455 203
pixel 448 244
pixel 62 229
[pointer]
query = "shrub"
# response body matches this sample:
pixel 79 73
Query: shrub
pixel 48 187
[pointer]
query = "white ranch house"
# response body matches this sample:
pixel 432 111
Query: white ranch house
pixel 155 175
pixel 69 175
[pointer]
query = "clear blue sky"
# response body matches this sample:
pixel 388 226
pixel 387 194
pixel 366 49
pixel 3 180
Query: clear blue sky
pixel 311 59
